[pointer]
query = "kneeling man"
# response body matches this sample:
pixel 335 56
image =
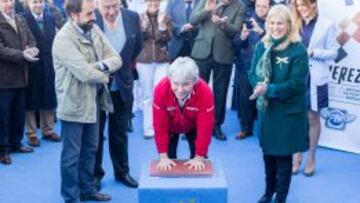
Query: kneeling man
pixel 183 103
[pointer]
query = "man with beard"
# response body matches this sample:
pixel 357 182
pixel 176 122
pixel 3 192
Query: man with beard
pixel 83 59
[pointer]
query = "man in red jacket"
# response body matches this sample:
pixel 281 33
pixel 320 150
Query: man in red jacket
pixel 183 103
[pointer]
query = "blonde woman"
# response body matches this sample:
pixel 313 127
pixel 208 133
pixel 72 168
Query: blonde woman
pixel 319 37
pixel 278 72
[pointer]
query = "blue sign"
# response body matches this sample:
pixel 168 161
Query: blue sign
pixel 336 118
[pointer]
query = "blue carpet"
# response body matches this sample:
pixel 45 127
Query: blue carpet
pixel 35 178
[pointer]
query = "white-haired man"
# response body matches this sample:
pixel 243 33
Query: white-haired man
pixel 183 103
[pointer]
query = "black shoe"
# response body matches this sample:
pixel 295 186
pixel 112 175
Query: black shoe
pixel 129 127
pixel 218 134
pixel 279 201
pixel 265 199
pixel 22 150
pixel 127 180
pixel 98 183
pixel 100 197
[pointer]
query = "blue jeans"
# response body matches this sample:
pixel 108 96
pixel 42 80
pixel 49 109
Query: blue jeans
pixel 80 143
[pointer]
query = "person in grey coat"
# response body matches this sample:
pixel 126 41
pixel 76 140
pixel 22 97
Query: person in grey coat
pixel 213 49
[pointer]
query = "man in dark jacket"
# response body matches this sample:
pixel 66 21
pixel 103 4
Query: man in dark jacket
pixel 17 47
pixel 122 28
pixel 183 32
pixel 252 32
pixel 40 92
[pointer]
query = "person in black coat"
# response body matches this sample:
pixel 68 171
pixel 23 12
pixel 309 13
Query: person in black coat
pixel 252 32
pixel 40 92
pixel 122 28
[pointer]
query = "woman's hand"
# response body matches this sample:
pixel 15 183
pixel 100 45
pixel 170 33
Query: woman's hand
pixel 165 164
pixel 197 163
pixel 260 89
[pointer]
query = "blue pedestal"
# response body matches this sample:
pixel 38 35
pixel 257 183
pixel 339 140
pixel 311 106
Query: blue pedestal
pixel 183 189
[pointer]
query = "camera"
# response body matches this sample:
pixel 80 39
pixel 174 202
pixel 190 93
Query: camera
pixel 248 24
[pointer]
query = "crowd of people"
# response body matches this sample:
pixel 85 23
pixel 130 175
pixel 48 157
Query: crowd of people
pixel 76 62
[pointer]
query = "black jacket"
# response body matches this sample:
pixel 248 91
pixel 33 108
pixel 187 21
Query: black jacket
pixel 131 50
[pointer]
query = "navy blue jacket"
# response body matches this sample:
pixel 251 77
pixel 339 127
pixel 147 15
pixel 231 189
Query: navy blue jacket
pixel 132 48
pixel 176 9
pixel 249 8
pixel 40 92
pixel 244 48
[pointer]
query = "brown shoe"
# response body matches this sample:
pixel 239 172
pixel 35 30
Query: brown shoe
pixel 5 159
pixel 52 137
pixel 33 141
pixel 242 135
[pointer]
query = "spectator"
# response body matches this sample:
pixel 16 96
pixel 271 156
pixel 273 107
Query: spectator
pixel 55 11
pixel 252 32
pixel 153 59
pixel 249 8
pixel 213 49
pixel 278 73
pixel 183 33
pixel 83 58
pixel 319 37
pixel 17 48
pixel 40 92
pixel 122 28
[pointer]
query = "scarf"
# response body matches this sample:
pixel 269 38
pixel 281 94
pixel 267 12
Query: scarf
pixel 263 71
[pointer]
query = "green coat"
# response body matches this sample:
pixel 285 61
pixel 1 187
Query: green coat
pixel 284 124
pixel 211 36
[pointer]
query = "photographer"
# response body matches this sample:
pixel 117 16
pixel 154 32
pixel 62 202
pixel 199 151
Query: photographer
pixel 252 31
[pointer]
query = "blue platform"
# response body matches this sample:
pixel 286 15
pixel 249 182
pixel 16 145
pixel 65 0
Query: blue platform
pixel 209 189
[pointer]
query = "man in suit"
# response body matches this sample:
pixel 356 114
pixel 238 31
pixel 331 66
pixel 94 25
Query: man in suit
pixel 40 92
pixel 17 48
pixel 122 28
pixel 183 32
pixel 213 48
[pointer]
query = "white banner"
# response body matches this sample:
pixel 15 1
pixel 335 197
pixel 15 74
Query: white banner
pixel 341 121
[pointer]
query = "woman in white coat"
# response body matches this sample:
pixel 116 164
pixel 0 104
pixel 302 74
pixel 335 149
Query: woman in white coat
pixel 319 36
